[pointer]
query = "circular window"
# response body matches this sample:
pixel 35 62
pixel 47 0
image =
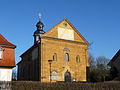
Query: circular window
pixel 65 24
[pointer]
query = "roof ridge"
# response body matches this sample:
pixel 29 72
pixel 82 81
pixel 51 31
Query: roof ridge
pixel 4 41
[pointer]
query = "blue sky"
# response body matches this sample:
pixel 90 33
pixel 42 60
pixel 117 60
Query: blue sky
pixel 97 20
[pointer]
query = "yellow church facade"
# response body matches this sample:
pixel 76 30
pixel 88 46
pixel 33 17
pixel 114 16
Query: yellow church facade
pixel 61 54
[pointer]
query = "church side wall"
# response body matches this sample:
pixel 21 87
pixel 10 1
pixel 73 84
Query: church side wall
pixel 28 67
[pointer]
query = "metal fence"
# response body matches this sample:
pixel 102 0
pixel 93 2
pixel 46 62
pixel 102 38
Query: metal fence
pixel 5 85
pixel 30 85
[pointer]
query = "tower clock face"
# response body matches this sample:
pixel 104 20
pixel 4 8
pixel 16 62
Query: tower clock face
pixel 65 33
pixel 37 38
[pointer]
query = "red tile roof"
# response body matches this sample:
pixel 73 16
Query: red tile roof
pixel 4 42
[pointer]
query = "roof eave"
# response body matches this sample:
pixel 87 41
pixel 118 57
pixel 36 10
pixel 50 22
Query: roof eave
pixel 10 46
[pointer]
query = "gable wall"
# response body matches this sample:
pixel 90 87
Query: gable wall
pixel 55 33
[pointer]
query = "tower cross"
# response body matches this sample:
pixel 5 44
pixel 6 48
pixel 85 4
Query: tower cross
pixel 39 16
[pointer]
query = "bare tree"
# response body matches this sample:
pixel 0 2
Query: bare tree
pixel 102 68
pixel 92 68
pixel 99 70
pixel 102 62
pixel 91 61
pixel 14 75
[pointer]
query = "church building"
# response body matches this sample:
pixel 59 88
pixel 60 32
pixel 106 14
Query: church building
pixel 115 66
pixel 7 59
pixel 60 54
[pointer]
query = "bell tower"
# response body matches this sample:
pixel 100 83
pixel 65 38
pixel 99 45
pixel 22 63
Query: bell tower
pixel 39 32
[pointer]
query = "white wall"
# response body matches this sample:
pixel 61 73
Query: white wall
pixel 5 74
pixel 65 34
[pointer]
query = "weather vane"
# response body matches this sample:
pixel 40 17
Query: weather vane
pixel 39 16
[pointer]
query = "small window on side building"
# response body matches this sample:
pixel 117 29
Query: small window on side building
pixel 1 53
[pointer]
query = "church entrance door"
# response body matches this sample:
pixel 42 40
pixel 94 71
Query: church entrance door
pixel 67 77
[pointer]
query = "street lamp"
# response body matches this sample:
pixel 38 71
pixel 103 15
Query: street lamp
pixel 50 62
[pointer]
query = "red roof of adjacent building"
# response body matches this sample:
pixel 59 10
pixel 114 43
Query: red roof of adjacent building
pixel 4 42
pixel 8 57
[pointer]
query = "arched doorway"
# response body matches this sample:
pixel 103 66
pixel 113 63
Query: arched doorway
pixel 67 77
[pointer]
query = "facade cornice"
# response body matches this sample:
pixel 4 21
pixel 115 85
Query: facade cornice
pixel 84 43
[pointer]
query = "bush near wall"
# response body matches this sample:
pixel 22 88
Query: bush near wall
pixel 30 85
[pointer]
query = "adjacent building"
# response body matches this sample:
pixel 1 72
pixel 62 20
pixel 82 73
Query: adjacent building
pixel 7 59
pixel 115 65
pixel 60 54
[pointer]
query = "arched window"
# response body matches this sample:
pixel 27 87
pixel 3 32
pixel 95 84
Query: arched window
pixel 77 58
pixel 66 57
pixel 1 53
pixel 55 57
